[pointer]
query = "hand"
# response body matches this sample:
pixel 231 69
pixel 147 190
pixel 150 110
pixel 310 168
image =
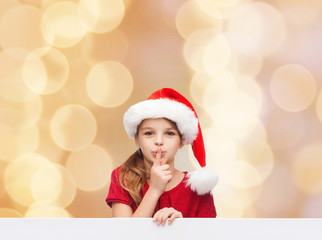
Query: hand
pixel 163 214
pixel 160 174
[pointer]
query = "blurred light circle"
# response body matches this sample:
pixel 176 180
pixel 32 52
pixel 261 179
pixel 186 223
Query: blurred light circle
pixel 220 82
pixel 236 124
pixel 53 183
pixel 227 12
pixel 34 73
pixel 221 150
pixel 259 131
pixel 319 106
pixel 258 153
pixel 9 213
pixel 20 116
pixel 307 168
pixel 95 47
pixel 15 143
pixel 249 86
pixel 90 167
pixel 101 16
pixel 12 86
pixel 234 113
pixel 241 175
pixel 228 195
pixel 61 26
pixel 18 177
pixel 46 183
pixel 251 28
pixel 45 209
pixel 225 205
pixel 45 71
pixel 227 211
pixel 285 129
pixel 233 100
pixel 245 64
pixel 191 18
pixel 68 191
pixel 20 28
pixel 73 127
pixel 195 46
pixel 197 86
pixel 245 41
pixel 217 54
pixel 293 88
pixel 236 197
pixel 109 84
pixel 218 3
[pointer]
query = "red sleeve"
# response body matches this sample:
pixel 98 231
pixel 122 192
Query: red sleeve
pixel 206 207
pixel 116 192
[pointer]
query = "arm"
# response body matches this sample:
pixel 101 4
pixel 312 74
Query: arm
pixel 160 176
pixel 145 209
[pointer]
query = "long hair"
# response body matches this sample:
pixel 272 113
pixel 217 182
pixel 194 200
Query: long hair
pixel 134 173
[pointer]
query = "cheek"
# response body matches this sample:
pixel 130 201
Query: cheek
pixel 144 145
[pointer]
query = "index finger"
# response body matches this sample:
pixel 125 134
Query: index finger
pixel 157 160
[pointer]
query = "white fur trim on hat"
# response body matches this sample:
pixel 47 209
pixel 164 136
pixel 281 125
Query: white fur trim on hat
pixel 202 180
pixel 181 114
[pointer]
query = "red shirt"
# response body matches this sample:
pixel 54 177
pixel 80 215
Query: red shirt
pixel 181 198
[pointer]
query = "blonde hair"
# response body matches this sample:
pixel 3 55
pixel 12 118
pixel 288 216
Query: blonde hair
pixel 134 174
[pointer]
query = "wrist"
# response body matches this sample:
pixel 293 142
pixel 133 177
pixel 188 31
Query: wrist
pixel 155 193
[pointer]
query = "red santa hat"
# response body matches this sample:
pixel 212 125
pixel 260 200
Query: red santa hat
pixel 167 103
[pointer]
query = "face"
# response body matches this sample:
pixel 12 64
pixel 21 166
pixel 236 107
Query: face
pixel 158 133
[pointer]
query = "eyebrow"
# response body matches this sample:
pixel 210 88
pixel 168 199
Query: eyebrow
pixel 149 128
pixel 171 128
pixel 146 128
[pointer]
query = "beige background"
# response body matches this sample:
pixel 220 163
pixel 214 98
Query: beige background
pixel 70 69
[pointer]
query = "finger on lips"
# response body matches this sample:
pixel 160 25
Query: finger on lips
pixel 158 160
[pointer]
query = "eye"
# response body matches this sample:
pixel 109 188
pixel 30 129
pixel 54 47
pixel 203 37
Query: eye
pixel 170 133
pixel 148 133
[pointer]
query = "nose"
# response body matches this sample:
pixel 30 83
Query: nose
pixel 159 140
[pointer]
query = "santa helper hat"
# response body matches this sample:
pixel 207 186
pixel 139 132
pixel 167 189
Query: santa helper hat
pixel 167 103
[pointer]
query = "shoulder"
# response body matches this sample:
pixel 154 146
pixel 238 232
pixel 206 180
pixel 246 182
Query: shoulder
pixel 117 170
pixel 116 174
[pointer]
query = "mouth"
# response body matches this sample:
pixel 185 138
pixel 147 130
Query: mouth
pixel 155 153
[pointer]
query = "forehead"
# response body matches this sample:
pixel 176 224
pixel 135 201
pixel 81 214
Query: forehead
pixel 156 123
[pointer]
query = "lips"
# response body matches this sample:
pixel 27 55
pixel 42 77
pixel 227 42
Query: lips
pixel 155 153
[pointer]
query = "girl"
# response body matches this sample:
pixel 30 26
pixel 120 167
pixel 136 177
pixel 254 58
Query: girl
pixel 147 184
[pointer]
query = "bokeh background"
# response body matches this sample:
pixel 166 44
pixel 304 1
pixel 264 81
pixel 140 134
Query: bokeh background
pixel 70 69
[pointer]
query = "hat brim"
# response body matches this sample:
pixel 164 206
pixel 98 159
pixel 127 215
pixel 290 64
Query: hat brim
pixel 177 112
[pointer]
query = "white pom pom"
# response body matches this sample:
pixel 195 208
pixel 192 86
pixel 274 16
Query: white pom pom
pixel 202 180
